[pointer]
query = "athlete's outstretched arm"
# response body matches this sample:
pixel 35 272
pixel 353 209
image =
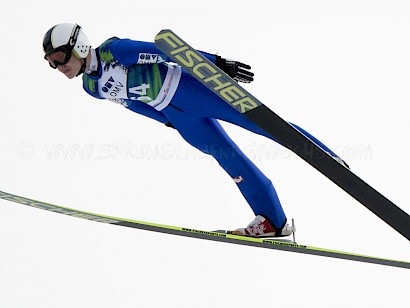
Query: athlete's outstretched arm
pixel 128 51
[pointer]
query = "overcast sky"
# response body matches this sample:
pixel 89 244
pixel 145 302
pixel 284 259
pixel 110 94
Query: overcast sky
pixel 339 69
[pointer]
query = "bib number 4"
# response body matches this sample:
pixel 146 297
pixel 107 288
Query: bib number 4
pixel 141 91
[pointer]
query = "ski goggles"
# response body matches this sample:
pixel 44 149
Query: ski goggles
pixel 58 56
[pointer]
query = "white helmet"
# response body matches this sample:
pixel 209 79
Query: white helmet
pixel 68 38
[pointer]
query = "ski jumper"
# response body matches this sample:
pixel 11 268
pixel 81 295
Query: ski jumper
pixel 138 76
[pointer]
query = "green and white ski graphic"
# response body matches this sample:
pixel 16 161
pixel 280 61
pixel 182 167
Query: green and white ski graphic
pixel 201 234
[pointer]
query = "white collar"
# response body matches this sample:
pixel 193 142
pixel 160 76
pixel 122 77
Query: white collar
pixel 93 62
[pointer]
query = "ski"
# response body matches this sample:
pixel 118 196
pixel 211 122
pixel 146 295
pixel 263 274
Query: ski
pixel 237 97
pixel 216 236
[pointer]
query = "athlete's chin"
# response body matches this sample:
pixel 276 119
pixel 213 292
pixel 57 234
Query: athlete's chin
pixel 69 74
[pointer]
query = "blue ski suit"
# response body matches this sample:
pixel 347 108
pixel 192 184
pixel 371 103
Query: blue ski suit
pixel 138 76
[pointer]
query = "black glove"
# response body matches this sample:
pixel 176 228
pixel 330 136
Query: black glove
pixel 235 69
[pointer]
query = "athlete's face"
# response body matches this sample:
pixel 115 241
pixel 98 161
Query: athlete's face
pixel 70 68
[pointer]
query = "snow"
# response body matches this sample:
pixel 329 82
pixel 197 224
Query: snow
pixel 340 69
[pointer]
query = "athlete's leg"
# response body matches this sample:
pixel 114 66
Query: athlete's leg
pixel 315 140
pixel 194 98
pixel 209 137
